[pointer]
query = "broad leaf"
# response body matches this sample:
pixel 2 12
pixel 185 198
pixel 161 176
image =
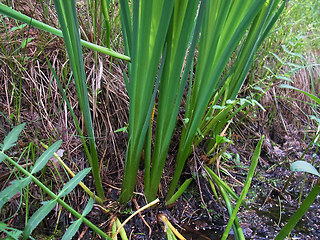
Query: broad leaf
pixel 37 217
pixel 12 137
pixel 13 189
pixel 73 182
pixel 44 158
pixel 303 166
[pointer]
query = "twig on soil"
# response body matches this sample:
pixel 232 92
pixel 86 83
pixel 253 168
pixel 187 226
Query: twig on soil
pixel 135 213
pixel 144 221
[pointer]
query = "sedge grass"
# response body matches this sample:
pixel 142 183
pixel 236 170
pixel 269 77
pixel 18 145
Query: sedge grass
pixel 253 165
pixel 144 42
pixel 222 24
pixel 166 33
pixel 70 28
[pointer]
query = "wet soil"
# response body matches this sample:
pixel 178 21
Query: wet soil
pixel 197 214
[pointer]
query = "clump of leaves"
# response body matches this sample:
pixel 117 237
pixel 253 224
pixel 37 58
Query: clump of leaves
pixel 18 185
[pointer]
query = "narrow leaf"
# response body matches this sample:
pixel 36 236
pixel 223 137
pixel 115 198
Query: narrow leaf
pixel 313 97
pixel 2 157
pixel 303 166
pixel 72 230
pixel 179 192
pixel 12 137
pixel 37 217
pixel 73 182
pixel 253 165
pixel 44 158
pixel 299 213
pixel 13 189
pixel 25 42
pixel 88 208
pixel 18 27
pixel 12 233
pixel 221 183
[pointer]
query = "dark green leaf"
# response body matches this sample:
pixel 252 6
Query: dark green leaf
pixel 12 137
pixel 73 182
pixel 44 158
pixel 37 217
pixel 13 189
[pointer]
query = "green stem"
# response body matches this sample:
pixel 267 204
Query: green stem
pixel 60 201
pixel 5 10
pixel 105 12
pixel 254 162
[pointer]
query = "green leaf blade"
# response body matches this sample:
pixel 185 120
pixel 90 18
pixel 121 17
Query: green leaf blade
pixel 44 158
pixel 88 208
pixel 2 157
pixel 303 166
pixel 37 217
pixel 13 189
pixel 72 230
pixel 12 137
pixel 73 182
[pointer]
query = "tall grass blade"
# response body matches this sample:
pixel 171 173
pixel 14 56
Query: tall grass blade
pixel 70 28
pixel 300 212
pixel 253 165
pixel 105 12
pixel 238 233
pixel 181 41
pixel 149 26
pixel 225 24
pixel 221 183
pixel 179 192
pixel 257 33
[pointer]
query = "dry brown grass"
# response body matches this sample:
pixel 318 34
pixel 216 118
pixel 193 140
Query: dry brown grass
pixel 30 93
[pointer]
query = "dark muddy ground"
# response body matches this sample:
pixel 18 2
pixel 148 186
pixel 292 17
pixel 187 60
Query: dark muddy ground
pixel 197 214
